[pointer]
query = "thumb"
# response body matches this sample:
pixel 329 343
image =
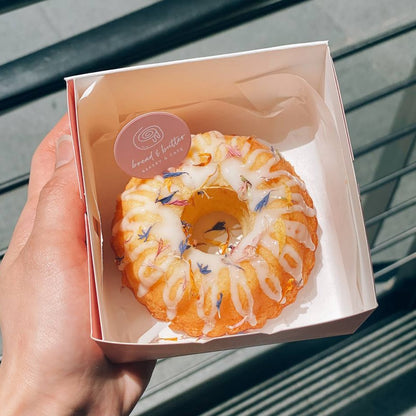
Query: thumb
pixel 64 151
pixel 60 209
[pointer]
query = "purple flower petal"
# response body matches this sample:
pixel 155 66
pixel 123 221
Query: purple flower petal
pixel 219 226
pixel 183 246
pixel 219 301
pixel 263 202
pixel 173 174
pixel 145 234
pixel 203 269
pixel 166 199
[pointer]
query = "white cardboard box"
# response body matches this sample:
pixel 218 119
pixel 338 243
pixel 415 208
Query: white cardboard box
pixel 288 96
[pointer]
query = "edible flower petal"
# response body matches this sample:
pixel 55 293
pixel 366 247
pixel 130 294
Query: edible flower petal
pixel 186 227
pixel 204 158
pixel 168 338
pixel 218 303
pixel 160 247
pixel 245 181
pixel 262 203
pixel 249 251
pixel 178 202
pixel 219 226
pixel 233 152
pixel 166 199
pixel 145 234
pixel 173 174
pixel 203 269
pixel 242 191
pixel 183 246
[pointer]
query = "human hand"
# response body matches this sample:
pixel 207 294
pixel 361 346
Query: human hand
pixel 50 364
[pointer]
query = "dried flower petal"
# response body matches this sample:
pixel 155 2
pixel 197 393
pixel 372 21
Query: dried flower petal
pixel 173 174
pixel 203 269
pixel 179 202
pixel 246 181
pixel 186 227
pixel 160 247
pixel 145 234
pixel 249 251
pixel 242 191
pixel 262 203
pixel 166 199
pixel 219 226
pixel 223 247
pixel 204 158
pixel 233 152
pixel 183 246
pixel 218 303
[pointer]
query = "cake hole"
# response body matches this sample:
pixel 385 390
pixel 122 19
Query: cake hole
pixel 215 220
pixel 216 233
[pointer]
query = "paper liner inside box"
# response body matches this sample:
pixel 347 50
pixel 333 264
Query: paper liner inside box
pixel 279 108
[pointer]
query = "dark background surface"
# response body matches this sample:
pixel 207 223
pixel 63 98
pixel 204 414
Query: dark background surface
pixel 372 372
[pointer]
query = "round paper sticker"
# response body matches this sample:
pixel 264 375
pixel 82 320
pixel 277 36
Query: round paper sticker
pixel 151 143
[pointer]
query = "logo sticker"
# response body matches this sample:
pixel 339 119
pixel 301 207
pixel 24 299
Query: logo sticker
pixel 152 143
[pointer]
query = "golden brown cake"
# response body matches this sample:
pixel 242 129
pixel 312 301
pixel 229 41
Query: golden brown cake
pixel 220 244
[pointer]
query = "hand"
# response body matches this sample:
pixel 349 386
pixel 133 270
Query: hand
pixel 50 364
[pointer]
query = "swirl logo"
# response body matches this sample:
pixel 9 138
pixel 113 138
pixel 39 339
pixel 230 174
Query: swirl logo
pixel 151 143
pixel 147 137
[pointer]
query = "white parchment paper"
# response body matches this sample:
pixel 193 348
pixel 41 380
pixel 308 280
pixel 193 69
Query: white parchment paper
pixel 281 109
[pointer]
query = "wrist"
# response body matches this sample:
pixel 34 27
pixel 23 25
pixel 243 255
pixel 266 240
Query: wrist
pixel 21 395
pixel 27 392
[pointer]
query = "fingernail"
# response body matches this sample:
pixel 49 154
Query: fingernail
pixel 64 151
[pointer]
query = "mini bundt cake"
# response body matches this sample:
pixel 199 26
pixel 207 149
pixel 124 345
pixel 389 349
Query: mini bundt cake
pixel 220 244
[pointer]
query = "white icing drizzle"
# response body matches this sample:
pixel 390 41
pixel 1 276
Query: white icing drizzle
pixel 253 156
pixel 296 271
pixel 208 283
pixel 180 273
pixel 293 180
pixel 271 245
pixel 146 282
pixel 245 149
pixel 301 205
pixel 134 255
pixel 238 280
pixel 125 224
pixel 299 232
pixel 197 175
pixel 263 275
pixel 168 228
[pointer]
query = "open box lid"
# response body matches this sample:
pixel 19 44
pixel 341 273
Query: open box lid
pixel 288 96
